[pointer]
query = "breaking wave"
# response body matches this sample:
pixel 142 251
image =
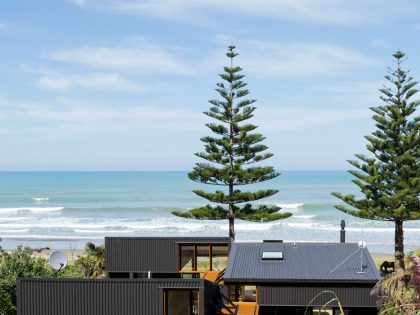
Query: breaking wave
pixel 40 199
pixel 31 209
pixel 308 216
pixel 290 205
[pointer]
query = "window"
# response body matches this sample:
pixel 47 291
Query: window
pixel 242 293
pixel 187 255
pixel 181 302
pixel 203 257
pixel 249 293
pixel 219 255
pixel 272 256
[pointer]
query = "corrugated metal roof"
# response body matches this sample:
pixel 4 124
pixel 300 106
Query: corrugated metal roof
pixel 303 262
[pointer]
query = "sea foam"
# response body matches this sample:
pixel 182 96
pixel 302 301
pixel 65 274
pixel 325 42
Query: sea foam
pixel 32 209
pixel 40 199
pixel 290 205
pixel 308 216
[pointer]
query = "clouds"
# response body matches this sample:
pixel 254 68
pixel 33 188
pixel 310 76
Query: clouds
pixel 124 66
pixel 330 12
pixel 295 118
pixel 380 43
pixel 83 117
pixel 295 59
pixel 65 118
pixel 120 67
pixel 79 3
pixel 82 112
pixel 135 65
pixel 59 81
pixel 135 75
pixel 140 57
pixel 258 57
pixel 101 81
pixel 69 133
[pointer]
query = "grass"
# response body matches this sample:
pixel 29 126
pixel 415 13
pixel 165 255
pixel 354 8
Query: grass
pixel 379 258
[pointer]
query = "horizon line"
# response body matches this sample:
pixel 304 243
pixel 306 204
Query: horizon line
pixel 153 171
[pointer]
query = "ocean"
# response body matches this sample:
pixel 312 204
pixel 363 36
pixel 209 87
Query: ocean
pixel 67 209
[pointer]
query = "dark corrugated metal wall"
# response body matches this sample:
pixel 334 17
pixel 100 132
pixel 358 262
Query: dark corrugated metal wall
pixel 99 296
pixel 138 254
pixel 301 295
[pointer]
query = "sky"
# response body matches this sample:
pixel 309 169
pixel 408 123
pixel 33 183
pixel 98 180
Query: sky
pixel 111 85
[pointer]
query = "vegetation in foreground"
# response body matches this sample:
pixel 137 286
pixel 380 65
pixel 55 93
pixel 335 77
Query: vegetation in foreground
pixel 22 263
pixel 232 157
pixel 389 179
pixel 399 292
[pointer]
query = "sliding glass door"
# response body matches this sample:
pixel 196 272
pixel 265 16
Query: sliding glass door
pixel 181 302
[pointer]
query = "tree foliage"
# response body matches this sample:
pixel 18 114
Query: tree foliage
pixel 6 304
pixel 19 263
pixel 93 263
pixel 262 213
pixel 232 156
pixel 389 178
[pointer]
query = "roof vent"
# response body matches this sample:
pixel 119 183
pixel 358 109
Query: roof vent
pixel 272 241
pixel 272 256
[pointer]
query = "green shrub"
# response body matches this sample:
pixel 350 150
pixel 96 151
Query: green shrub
pixel 70 271
pixel 20 263
pixel 6 305
pixel 93 263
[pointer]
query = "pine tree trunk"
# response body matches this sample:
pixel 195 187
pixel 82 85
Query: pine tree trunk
pixel 231 224
pixel 231 206
pixel 399 245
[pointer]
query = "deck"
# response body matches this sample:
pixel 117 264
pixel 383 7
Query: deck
pixel 245 308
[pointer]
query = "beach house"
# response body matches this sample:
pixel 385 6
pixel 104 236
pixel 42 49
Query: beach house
pixel 209 276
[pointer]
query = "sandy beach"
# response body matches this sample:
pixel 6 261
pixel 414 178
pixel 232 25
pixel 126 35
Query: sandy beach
pixel 381 257
pixel 71 254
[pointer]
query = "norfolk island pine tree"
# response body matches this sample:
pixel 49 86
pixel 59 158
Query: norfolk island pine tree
pixel 232 157
pixel 390 178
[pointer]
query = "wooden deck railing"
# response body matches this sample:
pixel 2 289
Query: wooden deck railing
pixel 220 277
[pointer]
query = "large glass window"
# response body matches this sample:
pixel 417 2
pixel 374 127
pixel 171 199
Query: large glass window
pixel 181 302
pixel 203 257
pixel 219 256
pixel 187 259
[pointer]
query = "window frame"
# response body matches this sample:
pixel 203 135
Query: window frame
pixel 166 296
pixel 194 262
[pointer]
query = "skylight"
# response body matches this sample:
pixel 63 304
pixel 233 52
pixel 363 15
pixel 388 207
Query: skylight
pixel 272 256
